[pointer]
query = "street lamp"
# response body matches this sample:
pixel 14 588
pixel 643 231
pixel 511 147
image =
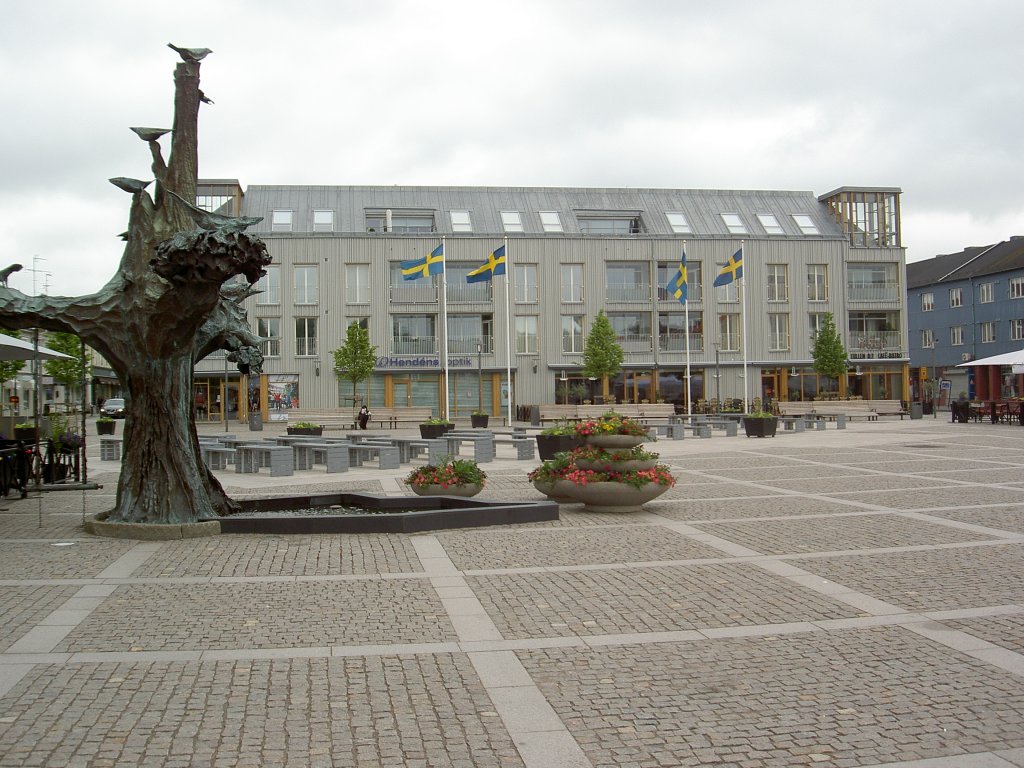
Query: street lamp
pixel 718 375
pixel 565 387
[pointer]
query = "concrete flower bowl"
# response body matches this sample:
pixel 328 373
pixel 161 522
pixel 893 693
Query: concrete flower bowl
pixel 381 514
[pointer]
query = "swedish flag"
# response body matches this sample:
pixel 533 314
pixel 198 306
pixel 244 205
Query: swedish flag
pixel 494 266
pixel 431 264
pixel 677 285
pixel 733 269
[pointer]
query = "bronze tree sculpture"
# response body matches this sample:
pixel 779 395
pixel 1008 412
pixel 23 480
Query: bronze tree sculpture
pixel 174 299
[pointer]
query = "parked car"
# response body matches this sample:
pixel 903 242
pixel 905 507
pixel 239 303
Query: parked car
pixel 113 408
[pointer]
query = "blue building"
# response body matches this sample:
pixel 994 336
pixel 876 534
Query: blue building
pixel 966 306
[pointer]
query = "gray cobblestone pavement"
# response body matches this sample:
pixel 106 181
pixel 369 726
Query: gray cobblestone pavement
pixel 836 598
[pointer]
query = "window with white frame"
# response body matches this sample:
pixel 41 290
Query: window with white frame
pixel 306 282
pixel 572 282
pixel 806 223
pixel 460 221
pixel 817 282
pixel 729 332
pixel 269 286
pixel 734 223
pixel 770 224
pixel 357 283
pixel 281 221
pixel 956 297
pixel 572 333
pixel 323 221
pixel 927 302
pixel 551 221
pixel 778 331
pixel 778 282
pixel 986 293
pixel 927 338
pixel 526 335
pixel 526 283
pixel 1016 329
pixel 678 222
pixel 1017 287
pixel 269 328
pixel 816 321
pixel 987 332
pixel 511 221
pixel 305 336
pixel 956 335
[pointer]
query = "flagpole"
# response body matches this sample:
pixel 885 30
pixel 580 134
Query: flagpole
pixel 444 331
pixel 686 321
pixel 742 284
pixel 508 330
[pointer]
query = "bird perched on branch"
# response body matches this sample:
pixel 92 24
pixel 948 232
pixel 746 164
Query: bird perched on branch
pixel 216 221
pixel 7 272
pixel 129 185
pixel 194 55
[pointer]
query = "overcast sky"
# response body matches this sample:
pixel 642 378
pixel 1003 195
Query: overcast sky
pixel 919 94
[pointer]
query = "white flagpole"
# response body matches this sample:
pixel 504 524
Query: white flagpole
pixel 743 313
pixel 508 330
pixel 686 320
pixel 444 330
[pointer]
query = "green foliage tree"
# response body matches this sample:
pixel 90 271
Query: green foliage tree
pixel 355 359
pixel 67 371
pixel 602 354
pixel 828 351
pixel 10 368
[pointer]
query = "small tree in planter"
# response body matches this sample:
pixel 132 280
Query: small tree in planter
pixel 828 351
pixel 355 359
pixel 602 354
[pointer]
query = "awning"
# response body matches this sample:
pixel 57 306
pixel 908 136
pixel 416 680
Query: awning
pixel 1008 358
pixel 16 349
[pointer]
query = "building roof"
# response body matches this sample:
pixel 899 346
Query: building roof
pixel 972 262
pixel 702 208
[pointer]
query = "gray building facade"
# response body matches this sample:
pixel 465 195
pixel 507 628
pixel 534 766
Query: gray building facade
pixel 571 252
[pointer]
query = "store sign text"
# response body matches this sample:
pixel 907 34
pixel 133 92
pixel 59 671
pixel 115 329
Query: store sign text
pixel 422 362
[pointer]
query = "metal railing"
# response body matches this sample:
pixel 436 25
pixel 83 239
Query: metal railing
pixel 857 290
pixel 875 340
pixel 465 345
pixel 413 294
pixel 629 292
pixel 415 345
pixel 676 342
pixel 634 342
pixel 468 292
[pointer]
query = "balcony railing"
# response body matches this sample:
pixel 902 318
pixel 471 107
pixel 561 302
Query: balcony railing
pixel 693 293
pixel 629 292
pixel 730 342
pixel 415 345
pixel 469 292
pixel 676 342
pixel 872 291
pixel 413 294
pixel 875 341
pixel 466 345
pixel 778 342
pixel 635 342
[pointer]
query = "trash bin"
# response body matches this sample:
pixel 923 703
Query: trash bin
pixel 255 422
pixel 916 410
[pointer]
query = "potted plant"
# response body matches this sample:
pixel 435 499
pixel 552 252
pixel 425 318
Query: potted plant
pixel 556 439
pixel 599 459
pixel 453 477
pixel 434 427
pixel 479 419
pixel 105 425
pixel 760 424
pixel 549 479
pixel 612 430
pixel 306 428
pixel 26 431
pixel 619 491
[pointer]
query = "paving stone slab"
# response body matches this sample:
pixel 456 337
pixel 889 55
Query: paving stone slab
pixel 42 560
pixel 853 697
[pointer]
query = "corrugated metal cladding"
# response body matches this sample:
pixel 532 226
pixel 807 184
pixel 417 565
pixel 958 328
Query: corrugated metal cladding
pixel 702 208
pixel 337 253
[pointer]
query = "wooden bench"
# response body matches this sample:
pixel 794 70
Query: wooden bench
pixel 638 411
pixel 888 408
pixel 829 409
pixel 344 418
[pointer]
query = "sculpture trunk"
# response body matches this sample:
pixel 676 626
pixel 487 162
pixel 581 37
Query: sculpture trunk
pixel 164 481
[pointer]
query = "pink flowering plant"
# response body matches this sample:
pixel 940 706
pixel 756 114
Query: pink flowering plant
pixel 451 473
pixel 552 469
pixel 611 423
pixel 637 478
